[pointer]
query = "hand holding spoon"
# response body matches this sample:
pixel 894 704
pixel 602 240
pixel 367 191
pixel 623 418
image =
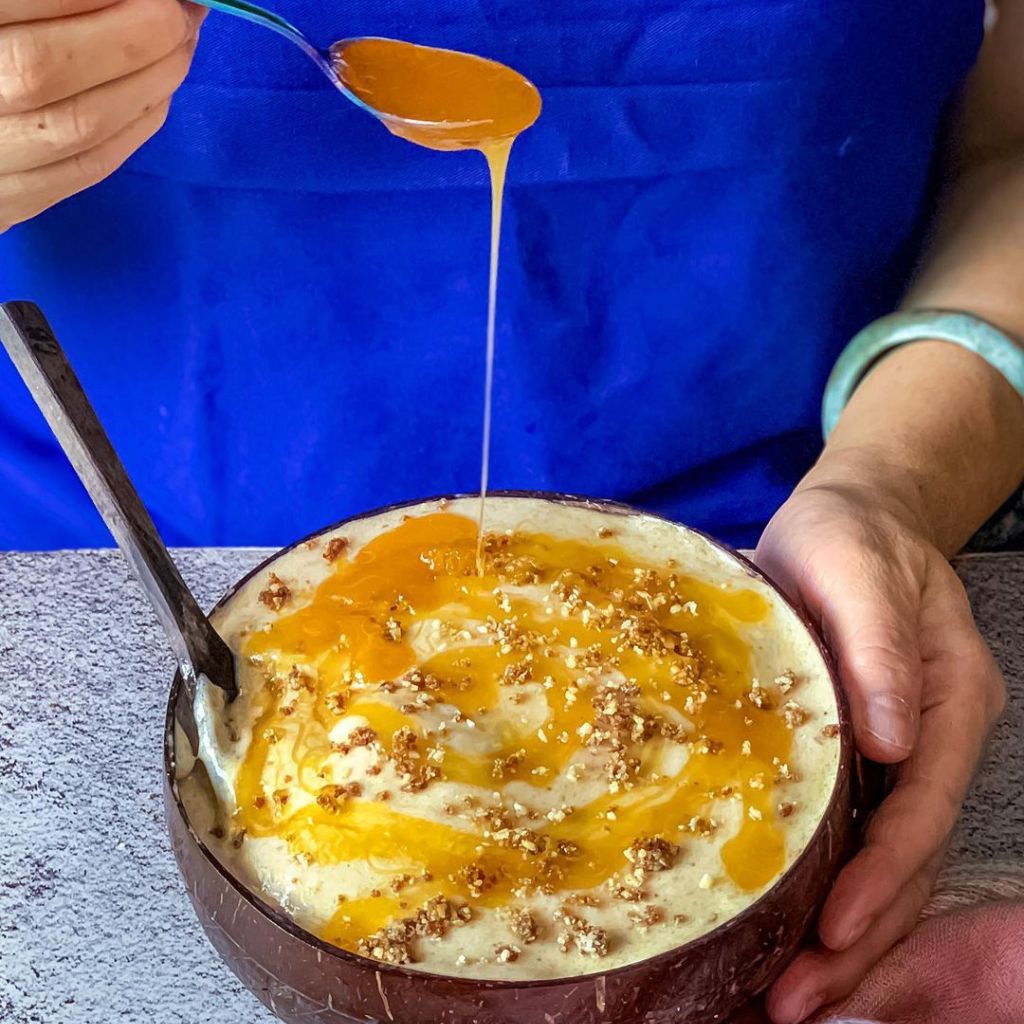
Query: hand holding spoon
pixel 31 344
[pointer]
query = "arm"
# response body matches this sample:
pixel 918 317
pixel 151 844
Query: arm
pixel 937 430
pixel 927 411
pixel 929 446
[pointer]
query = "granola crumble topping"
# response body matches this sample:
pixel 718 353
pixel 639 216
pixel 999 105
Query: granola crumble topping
pixel 396 942
pixel 522 924
pixel 276 593
pixel 646 917
pixel 650 854
pixel 335 548
pixel 588 940
pixel 793 714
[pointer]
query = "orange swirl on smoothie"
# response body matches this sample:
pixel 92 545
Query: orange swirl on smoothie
pixel 635 677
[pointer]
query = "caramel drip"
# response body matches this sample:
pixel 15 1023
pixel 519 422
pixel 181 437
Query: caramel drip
pixel 446 100
pixel 497 154
pixel 542 616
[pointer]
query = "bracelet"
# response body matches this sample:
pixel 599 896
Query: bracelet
pixel 889 332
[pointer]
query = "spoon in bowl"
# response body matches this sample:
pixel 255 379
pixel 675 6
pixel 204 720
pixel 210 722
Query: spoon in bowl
pixel 39 359
pixel 442 99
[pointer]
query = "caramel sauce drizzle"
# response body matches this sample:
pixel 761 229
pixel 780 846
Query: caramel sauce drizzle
pixel 687 663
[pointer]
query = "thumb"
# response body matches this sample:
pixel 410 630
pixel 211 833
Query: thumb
pixel 872 623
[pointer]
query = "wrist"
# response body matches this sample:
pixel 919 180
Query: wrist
pixel 935 434
pixel 875 479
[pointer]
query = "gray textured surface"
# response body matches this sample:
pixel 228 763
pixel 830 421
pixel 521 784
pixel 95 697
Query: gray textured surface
pixel 94 925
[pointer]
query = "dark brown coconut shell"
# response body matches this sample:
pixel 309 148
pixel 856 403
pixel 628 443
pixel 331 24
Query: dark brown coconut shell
pixel 304 980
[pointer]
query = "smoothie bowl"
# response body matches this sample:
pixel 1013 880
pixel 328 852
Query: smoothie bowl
pixel 590 767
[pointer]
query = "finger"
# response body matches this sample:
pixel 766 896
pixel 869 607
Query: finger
pixel 23 196
pixel 917 817
pixel 819 977
pixel 871 616
pixel 15 11
pixel 44 62
pixel 77 125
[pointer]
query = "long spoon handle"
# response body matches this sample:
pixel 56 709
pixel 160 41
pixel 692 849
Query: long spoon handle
pixel 252 12
pixel 268 19
pixel 32 346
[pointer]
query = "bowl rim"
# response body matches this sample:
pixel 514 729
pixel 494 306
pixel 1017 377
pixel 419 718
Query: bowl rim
pixel 282 920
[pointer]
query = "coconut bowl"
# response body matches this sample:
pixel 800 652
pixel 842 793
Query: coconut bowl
pixel 304 980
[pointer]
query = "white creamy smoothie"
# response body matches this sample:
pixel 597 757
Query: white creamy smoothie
pixel 600 742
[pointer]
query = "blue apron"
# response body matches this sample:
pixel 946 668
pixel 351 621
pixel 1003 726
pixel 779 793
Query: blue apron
pixel 278 309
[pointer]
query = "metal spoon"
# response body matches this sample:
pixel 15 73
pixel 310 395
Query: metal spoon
pixel 31 344
pixel 329 61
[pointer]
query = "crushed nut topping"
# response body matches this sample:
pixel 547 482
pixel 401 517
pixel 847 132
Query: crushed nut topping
pixel 333 798
pixel 628 890
pixel 793 714
pixel 413 770
pixel 361 736
pixel 503 766
pixel 701 826
pixel 524 839
pixel 395 943
pixel 786 681
pixel 336 702
pixel 587 939
pixel 650 854
pixel 517 673
pixel 475 878
pixel 645 918
pixel 522 924
pixel 759 696
pixel 335 548
pixel 276 593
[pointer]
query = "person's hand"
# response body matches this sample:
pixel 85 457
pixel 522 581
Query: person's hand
pixel 924 691
pixel 83 84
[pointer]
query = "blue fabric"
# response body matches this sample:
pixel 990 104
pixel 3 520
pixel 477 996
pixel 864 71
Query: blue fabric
pixel 278 309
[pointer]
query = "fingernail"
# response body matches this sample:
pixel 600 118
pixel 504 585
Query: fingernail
pixel 850 934
pixel 803 1011
pixel 807 1007
pixel 790 1011
pixel 889 718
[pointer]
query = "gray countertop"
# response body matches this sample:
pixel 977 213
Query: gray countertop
pixel 94 924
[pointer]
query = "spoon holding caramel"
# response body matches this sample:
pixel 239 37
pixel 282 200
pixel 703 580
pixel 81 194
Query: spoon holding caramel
pixel 437 98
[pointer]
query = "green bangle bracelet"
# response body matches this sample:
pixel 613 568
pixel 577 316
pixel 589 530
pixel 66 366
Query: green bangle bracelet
pixel 889 332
